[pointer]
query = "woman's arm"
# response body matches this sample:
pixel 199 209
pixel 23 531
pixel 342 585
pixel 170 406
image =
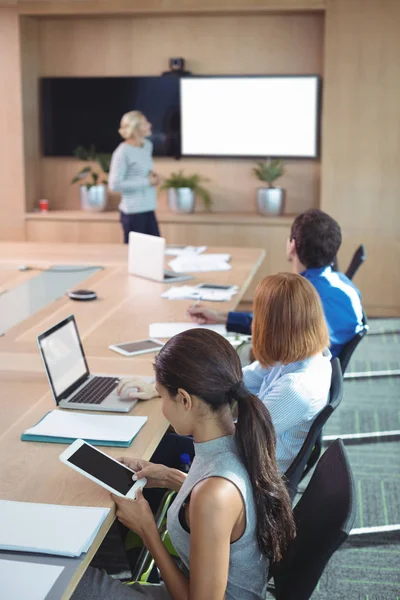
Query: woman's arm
pixel 253 377
pixel 216 505
pixel 117 179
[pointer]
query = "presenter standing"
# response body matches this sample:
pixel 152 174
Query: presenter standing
pixel 131 174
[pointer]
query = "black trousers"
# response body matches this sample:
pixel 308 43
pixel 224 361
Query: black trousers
pixel 140 223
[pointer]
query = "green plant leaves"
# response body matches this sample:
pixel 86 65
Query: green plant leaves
pixel 269 170
pixel 82 174
pixel 180 180
pixel 90 155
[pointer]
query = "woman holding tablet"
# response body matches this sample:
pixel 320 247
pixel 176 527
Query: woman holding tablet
pixel 232 514
pixel 131 174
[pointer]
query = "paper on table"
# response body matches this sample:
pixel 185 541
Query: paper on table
pixel 206 262
pixel 26 580
pixel 49 528
pixel 194 293
pixel 70 424
pixel 168 330
pixel 179 250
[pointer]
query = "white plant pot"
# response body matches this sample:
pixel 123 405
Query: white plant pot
pixel 270 201
pixel 181 200
pixel 94 198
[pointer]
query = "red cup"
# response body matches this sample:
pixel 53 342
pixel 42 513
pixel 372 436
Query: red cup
pixel 43 205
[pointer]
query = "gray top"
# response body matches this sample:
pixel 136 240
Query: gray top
pixel 248 567
pixel 129 173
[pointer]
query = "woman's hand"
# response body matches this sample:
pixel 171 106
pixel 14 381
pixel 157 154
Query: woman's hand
pixel 135 514
pixel 201 315
pixel 156 475
pixel 136 388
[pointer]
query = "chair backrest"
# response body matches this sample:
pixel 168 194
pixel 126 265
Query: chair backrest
pixel 324 517
pixel 294 473
pixel 356 262
pixel 349 348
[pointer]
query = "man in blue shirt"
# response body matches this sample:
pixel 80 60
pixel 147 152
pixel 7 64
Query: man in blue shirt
pixel 314 241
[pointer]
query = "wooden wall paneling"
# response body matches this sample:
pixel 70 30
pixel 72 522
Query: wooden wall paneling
pixel 95 7
pixel 361 141
pixel 29 34
pixel 12 197
pixel 277 43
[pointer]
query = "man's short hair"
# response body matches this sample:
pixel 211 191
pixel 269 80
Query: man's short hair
pixel 317 237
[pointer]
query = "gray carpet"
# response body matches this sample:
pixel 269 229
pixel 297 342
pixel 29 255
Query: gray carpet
pixel 369 568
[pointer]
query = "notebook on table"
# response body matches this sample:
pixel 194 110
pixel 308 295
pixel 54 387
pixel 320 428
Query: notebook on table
pixel 64 427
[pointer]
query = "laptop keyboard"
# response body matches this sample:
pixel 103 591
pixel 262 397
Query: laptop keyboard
pixel 95 391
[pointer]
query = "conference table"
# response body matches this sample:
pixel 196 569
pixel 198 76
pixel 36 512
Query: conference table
pixel 124 308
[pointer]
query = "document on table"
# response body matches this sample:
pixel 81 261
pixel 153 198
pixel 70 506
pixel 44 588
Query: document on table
pixel 71 425
pixel 188 292
pixel 168 330
pixel 179 250
pixel 48 528
pixel 190 263
pixel 26 580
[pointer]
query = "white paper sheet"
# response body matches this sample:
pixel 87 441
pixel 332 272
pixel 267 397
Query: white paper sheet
pixel 49 528
pixel 27 581
pixel 179 250
pixel 71 424
pixel 187 292
pixel 168 330
pixel 189 263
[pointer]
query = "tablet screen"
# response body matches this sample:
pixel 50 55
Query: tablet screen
pixel 140 346
pixel 103 468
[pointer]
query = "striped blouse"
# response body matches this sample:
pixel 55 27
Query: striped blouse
pixel 129 172
pixel 294 394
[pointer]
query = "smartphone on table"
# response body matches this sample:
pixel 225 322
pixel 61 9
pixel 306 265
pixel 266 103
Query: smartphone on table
pixel 102 469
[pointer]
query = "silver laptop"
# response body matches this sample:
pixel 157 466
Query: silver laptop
pixel 68 373
pixel 147 257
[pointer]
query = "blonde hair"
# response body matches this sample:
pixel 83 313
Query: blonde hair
pixel 289 323
pixel 129 123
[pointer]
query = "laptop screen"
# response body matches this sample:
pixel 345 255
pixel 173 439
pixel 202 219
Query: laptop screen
pixel 63 356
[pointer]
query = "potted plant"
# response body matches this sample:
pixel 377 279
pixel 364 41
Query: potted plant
pixel 93 178
pixel 182 191
pixel 270 199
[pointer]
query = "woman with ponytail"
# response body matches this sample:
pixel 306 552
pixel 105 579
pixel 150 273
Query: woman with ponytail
pixel 232 514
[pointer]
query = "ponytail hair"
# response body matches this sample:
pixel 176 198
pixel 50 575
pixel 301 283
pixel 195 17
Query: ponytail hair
pixel 206 365
pixel 255 438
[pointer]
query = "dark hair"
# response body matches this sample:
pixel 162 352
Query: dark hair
pixel 205 364
pixel 317 237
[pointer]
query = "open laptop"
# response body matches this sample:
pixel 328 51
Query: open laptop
pixel 70 380
pixel 146 259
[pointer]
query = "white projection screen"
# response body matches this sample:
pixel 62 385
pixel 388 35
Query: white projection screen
pixel 273 116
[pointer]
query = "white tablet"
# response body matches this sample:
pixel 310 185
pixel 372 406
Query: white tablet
pixel 140 347
pixel 101 468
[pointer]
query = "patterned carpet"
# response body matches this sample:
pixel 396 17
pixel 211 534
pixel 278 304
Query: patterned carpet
pixel 369 568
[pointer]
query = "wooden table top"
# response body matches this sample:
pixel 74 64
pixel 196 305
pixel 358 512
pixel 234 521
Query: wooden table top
pixel 125 307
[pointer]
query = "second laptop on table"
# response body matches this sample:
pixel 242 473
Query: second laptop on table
pixel 71 382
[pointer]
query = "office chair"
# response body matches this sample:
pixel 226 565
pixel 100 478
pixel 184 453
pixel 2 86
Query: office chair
pixel 311 448
pixel 359 257
pixel 324 517
pixel 349 348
